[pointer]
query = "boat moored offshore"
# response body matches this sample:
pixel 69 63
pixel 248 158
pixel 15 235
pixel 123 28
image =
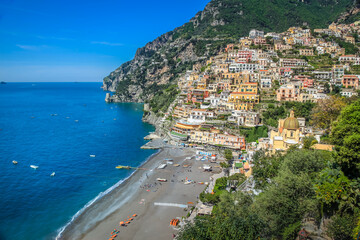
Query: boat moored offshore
pixel 122 167
pixel 34 166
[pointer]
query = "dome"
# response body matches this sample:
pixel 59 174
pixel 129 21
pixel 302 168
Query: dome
pixel 291 122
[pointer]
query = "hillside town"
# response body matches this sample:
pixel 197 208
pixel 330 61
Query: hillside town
pixel 266 103
pixel 229 94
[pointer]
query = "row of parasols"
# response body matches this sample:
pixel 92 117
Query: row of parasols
pixel 126 222
pixel 115 232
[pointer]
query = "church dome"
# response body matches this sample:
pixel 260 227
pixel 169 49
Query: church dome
pixel 291 123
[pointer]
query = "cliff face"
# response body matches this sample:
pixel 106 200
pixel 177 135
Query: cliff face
pixel 154 64
pixel 160 62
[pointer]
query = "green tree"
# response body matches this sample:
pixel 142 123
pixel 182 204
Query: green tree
pixel 308 142
pixel 265 168
pixel 291 232
pixel 346 137
pixel 231 219
pixel 340 227
pixel 327 111
pixel 228 155
pixel 326 88
pixel 336 192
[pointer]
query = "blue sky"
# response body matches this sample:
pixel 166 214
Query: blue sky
pixel 65 41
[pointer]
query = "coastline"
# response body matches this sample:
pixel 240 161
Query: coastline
pixel 70 226
pixel 141 194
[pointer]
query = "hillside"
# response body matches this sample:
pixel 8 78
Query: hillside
pixel 158 64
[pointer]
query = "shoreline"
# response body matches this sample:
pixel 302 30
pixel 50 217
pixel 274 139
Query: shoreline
pixel 155 203
pixel 68 227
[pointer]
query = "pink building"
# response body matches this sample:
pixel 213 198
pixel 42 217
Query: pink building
pixel 229 140
pixel 285 72
pixel 306 81
pixel 288 92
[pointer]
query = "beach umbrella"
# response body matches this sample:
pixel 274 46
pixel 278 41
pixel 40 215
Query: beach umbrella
pixel 134 215
pixel 121 223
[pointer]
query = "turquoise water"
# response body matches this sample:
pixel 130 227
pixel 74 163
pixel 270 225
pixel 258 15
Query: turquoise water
pixel 38 127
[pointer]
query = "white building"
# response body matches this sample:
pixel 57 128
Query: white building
pixel 348 92
pixel 200 115
pixel 256 33
pixel 240 67
pixel 214 101
pixel 265 82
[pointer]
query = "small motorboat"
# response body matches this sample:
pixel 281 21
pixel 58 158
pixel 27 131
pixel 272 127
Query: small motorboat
pixel 161 180
pixel 92 155
pixel 34 166
pixel 162 166
pixel 123 167
pixel 53 174
pixel 14 162
pixel 188 182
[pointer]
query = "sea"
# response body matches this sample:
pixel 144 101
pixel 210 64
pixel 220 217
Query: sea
pixel 57 126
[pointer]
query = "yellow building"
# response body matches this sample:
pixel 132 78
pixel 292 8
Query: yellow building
pixel 245 42
pixel 245 96
pixel 288 133
pixel 248 87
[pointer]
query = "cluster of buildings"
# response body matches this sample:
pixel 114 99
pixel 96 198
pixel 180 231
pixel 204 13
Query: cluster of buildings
pixel 271 67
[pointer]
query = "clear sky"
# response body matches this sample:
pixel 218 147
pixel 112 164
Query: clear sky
pixel 75 40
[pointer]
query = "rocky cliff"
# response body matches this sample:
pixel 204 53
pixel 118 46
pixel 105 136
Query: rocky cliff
pixel 159 63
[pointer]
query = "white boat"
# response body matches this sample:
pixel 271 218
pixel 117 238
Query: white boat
pixel 207 168
pixel 162 166
pixel 92 155
pixel 53 174
pixel 161 180
pixel 188 182
pixel 34 166
pixel 14 162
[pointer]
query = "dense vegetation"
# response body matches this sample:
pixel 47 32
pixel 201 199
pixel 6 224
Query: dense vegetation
pixel 300 186
pixel 254 133
pixel 238 17
pixel 163 100
pixel 274 113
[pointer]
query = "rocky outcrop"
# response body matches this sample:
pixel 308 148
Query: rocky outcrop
pixel 152 119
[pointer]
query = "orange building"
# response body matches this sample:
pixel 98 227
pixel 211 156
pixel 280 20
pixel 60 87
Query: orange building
pixel 350 81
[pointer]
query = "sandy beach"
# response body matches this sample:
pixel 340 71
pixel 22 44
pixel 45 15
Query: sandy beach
pixel 139 194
